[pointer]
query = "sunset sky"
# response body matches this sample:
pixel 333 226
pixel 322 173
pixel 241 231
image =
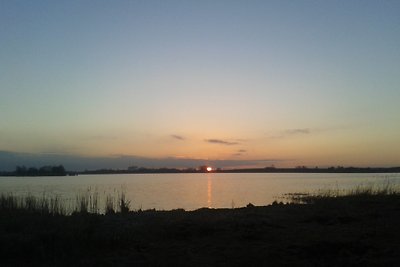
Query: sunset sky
pixel 243 82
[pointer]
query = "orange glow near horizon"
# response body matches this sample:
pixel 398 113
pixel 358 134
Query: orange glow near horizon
pixel 209 169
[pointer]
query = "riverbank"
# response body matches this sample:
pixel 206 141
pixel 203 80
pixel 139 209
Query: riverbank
pixel 322 230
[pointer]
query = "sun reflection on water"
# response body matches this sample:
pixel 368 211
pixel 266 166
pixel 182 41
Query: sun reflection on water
pixel 209 191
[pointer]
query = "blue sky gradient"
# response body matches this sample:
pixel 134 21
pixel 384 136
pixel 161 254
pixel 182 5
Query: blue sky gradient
pixel 305 82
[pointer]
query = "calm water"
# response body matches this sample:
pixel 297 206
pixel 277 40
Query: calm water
pixel 190 191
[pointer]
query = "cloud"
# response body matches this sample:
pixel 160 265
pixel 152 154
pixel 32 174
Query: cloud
pixel 100 137
pixel 239 152
pixel 221 142
pixel 291 133
pixel 297 131
pixel 177 137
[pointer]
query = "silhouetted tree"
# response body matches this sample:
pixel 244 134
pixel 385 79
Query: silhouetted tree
pixel 20 171
pixel 32 171
pixel 42 171
pixel 58 170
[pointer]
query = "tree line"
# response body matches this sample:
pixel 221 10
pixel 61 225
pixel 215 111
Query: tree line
pixel 42 171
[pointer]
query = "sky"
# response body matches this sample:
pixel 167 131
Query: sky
pixel 241 83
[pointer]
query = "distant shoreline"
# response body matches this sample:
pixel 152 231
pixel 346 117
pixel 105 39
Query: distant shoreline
pixel 252 170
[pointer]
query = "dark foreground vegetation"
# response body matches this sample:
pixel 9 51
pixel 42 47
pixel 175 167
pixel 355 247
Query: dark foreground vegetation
pixel 357 229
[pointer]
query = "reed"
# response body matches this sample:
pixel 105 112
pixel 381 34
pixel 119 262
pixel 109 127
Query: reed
pixel 124 204
pixel 85 202
pixel 109 205
pixel 361 192
pixel 46 205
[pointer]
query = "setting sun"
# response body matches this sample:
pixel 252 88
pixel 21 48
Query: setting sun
pixel 209 169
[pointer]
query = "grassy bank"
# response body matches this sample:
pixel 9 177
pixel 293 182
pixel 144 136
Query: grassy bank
pixel 326 229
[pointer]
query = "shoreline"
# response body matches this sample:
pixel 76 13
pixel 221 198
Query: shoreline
pixel 273 170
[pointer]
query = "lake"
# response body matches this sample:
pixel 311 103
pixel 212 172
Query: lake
pixel 192 191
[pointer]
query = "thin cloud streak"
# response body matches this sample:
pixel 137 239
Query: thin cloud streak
pixel 307 131
pixel 292 133
pixel 298 131
pixel 221 142
pixel 239 152
pixel 100 137
pixel 178 137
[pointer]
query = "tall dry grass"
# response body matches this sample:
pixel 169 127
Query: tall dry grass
pixel 360 192
pixel 87 202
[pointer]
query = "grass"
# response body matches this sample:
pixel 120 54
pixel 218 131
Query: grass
pixel 123 204
pixel 110 205
pixel 43 205
pixel 362 192
pixel 357 227
pixel 87 202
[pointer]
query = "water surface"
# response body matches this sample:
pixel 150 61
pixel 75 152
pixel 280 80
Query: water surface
pixel 192 191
